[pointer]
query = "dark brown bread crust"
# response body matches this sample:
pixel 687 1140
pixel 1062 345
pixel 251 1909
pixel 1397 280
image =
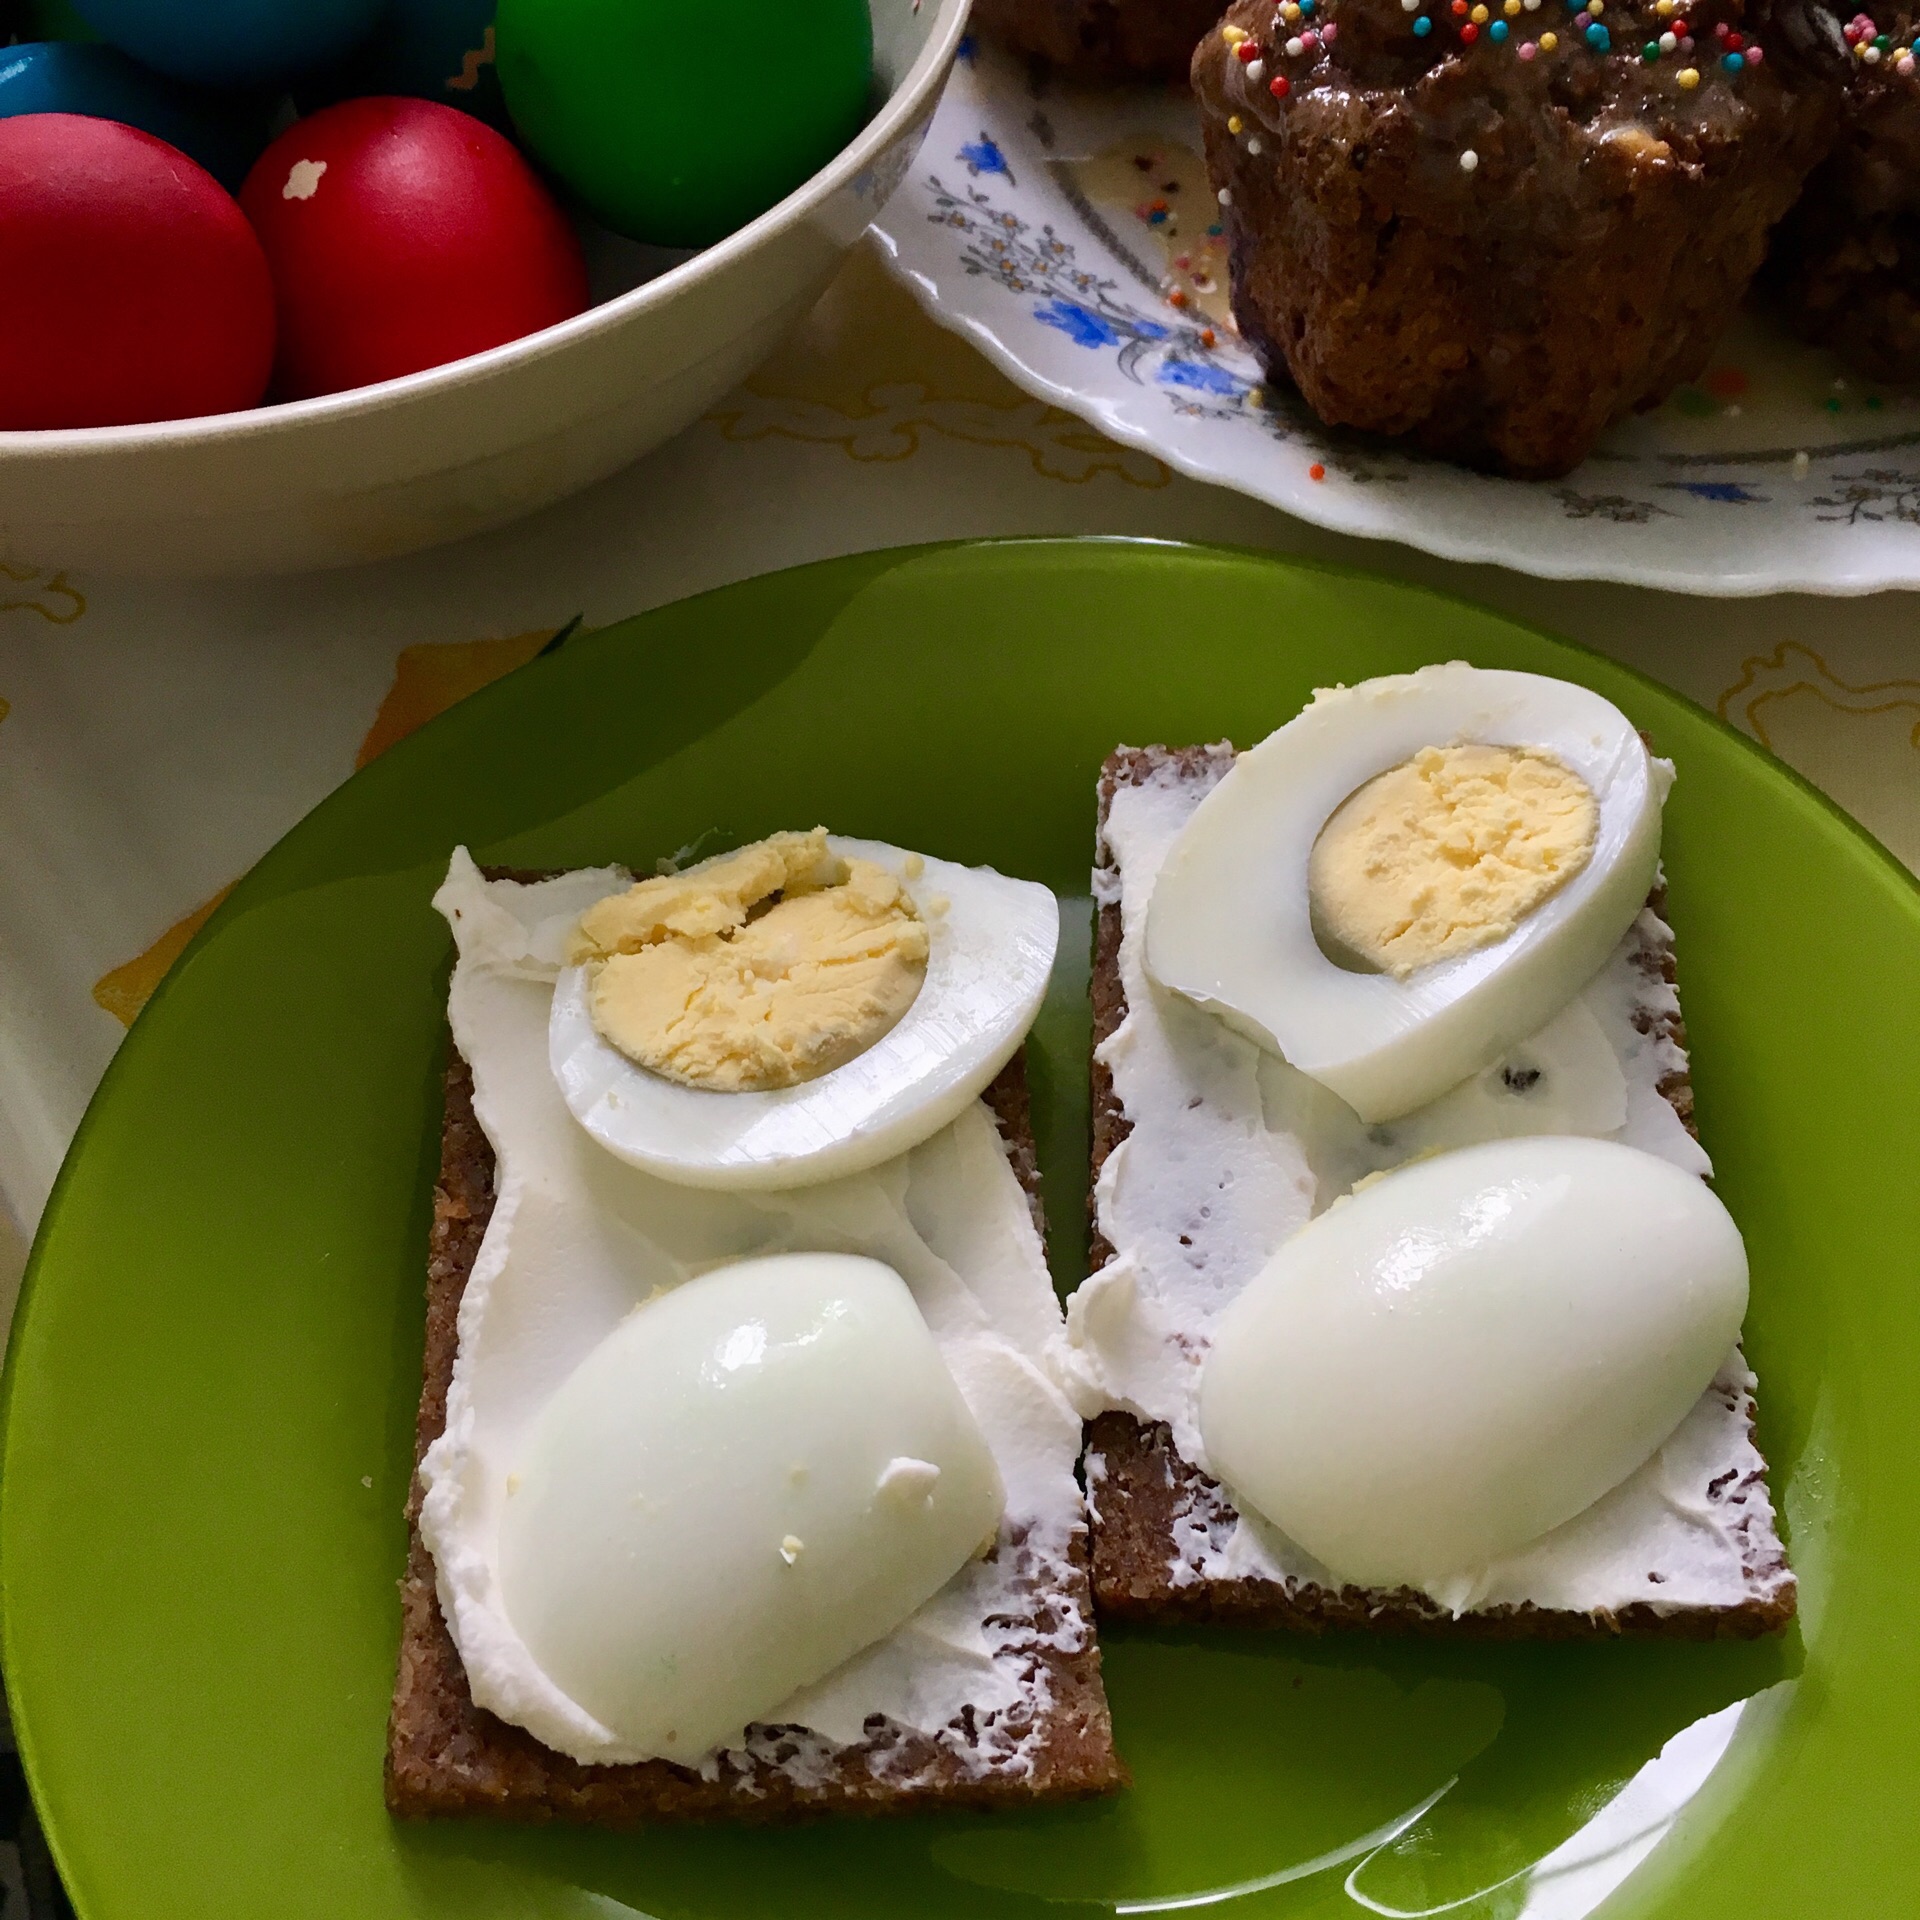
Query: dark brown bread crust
pixel 1846 260
pixel 1583 267
pixel 1141 1493
pixel 445 1756
pixel 1102 39
pixel 1139 1488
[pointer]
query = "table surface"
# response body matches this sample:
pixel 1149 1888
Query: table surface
pixel 155 740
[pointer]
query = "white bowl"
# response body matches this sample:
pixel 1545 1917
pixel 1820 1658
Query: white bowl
pixel 438 455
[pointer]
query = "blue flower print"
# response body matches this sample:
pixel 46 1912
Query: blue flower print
pixel 1081 325
pixel 1728 492
pixel 1037 266
pixel 982 156
pixel 1199 377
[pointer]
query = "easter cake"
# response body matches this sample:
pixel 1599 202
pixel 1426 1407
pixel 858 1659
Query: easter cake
pixel 1221 1170
pixel 851 1583
pixel 1102 39
pixel 1846 260
pixel 1495 229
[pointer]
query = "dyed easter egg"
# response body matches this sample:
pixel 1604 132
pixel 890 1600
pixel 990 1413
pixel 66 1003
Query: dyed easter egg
pixel 668 119
pixel 433 49
pixel 402 234
pixel 233 43
pixel 135 288
pixel 222 132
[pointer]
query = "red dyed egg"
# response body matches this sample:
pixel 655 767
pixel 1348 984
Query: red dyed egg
pixel 134 288
pixel 402 234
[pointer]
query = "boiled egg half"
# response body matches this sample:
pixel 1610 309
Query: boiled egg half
pixel 751 1478
pixel 1470 1351
pixel 801 1009
pixel 1411 877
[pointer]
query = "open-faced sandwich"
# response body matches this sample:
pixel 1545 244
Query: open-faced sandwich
pixel 1411 1305
pixel 744 1483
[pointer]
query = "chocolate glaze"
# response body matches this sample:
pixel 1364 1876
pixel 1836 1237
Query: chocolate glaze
pixel 1582 267
pixel 1846 261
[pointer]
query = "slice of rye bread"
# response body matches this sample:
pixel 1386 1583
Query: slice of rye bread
pixel 445 1756
pixel 1142 1495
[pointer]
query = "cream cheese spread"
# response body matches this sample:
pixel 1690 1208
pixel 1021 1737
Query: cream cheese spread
pixel 577 1239
pixel 1231 1151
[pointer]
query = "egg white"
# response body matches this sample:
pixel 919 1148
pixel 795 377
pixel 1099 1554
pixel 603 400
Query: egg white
pixel 1470 1352
pixel 991 944
pixel 702 1519
pixel 1230 923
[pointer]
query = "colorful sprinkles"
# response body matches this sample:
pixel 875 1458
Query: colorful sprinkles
pixel 1870 46
pixel 1300 32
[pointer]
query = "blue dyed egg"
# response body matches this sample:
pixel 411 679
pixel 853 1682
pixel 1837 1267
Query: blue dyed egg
pixel 233 43
pixel 224 133
pixel 438 50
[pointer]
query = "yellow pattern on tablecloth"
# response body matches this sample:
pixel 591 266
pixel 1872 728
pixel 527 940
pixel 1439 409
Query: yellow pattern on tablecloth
pixel 427 680
pixel 35 590
pixel 870 373
pixel 1856 743
pixel 129 987
pixel 435 675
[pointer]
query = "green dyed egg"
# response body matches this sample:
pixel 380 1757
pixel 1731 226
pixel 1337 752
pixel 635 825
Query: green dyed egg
pixel 677 121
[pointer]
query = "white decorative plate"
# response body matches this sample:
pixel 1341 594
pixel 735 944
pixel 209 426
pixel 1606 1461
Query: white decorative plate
pixel 1069 234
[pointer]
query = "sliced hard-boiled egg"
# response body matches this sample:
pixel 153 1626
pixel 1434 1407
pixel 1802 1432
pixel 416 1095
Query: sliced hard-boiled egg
pixel 1470 1351
pixel 1518 877
pixel 750 1479
pixel 946 1023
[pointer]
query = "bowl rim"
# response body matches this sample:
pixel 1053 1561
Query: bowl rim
pixel 913 93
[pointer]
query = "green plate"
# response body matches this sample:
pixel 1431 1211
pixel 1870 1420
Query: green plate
pixel 212 1380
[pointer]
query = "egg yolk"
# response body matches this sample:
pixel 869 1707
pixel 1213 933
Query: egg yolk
pixel 759 970
pixel 1447 853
